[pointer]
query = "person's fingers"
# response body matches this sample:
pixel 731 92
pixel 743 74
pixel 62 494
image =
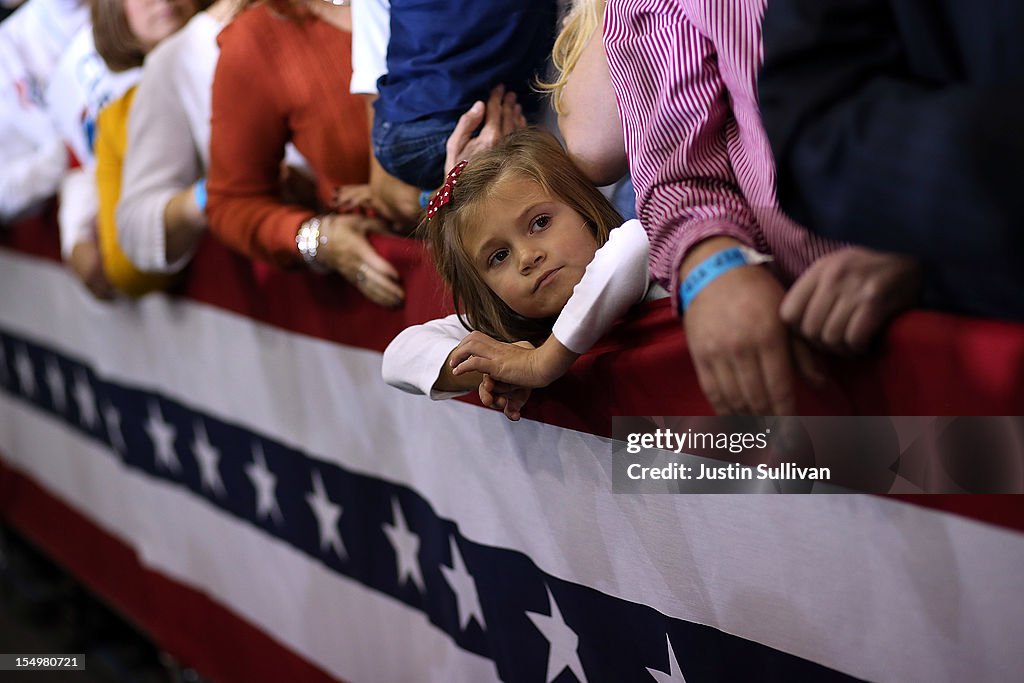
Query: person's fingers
pixel 474 364
pixel 520 117
pixel 486 395
pixel 462 134
pixel 816 312
pixel 380 288
pixel 751 382
pixel 512 115
pixel 794 303
pixel 100 288
pixel 352 195
pixel 365 253
pixel 492 128
pixel 808 362
pixel 475 344
pixel 777 375
pixel 833 332
pixel 709 386
pixel 862 326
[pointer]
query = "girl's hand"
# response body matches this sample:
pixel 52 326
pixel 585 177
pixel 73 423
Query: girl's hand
pixel 519 364
pixel 507 398
pixel 844 299
pixel 349 252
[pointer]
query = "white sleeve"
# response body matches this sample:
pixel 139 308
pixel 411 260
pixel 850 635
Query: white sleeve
pixel 414 359
pixel 79 204
pixel 35 160
pixel 161 160
pixel 371 31
pixel 615 280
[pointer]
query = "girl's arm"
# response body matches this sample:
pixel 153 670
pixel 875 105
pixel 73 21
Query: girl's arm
pixel 615 280
pixel 416 360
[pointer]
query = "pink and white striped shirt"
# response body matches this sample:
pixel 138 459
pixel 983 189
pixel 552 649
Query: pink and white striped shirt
pixel 685 77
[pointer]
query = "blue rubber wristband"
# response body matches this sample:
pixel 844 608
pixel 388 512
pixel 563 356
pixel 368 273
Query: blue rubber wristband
pixel 425 196
pixel 707 271
pixel 199 192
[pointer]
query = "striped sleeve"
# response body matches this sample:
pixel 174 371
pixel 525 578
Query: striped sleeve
pixel 678 122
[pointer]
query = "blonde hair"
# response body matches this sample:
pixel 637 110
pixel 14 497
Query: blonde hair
pixel 529 154
pixel 578 27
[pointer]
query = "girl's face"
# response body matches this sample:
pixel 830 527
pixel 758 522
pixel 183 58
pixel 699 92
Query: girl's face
pixel 153 20
pixel 529 248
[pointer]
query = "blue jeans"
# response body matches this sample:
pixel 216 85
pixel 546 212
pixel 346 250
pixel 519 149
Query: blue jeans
pixel 412 152
pixel 624 198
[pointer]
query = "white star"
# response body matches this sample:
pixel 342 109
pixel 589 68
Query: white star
pixel 327 515
pixel 674 675
pixel 208 458
pixel 113 419
pixel 55 381
pixel 466 598
pixel 563 640
pixel 264 481
pixel 407 548
pixel 26 375
pixel 85 399
pixel 162 434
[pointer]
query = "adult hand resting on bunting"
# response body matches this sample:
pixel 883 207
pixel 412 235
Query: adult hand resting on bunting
pixel 500 116
pixel 348 251
pixel 846 297
pixel 743 353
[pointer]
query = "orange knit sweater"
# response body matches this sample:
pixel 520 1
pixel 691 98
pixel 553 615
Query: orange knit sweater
pixel 278 81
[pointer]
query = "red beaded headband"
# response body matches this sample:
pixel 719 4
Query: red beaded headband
pixel 444 195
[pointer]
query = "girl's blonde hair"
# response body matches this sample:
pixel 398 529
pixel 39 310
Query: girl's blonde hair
pixel 578 27
pixel 529 154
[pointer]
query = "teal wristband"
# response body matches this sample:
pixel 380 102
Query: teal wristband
pixel 714 267
pixel 199 192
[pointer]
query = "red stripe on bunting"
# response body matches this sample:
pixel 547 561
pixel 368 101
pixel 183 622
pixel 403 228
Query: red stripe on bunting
pixel 196 630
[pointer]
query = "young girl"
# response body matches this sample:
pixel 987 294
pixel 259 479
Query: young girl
pixel 537 264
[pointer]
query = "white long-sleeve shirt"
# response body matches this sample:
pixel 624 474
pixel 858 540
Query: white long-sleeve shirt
pixel 171 109
pixel 615 280
pixel 31 43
